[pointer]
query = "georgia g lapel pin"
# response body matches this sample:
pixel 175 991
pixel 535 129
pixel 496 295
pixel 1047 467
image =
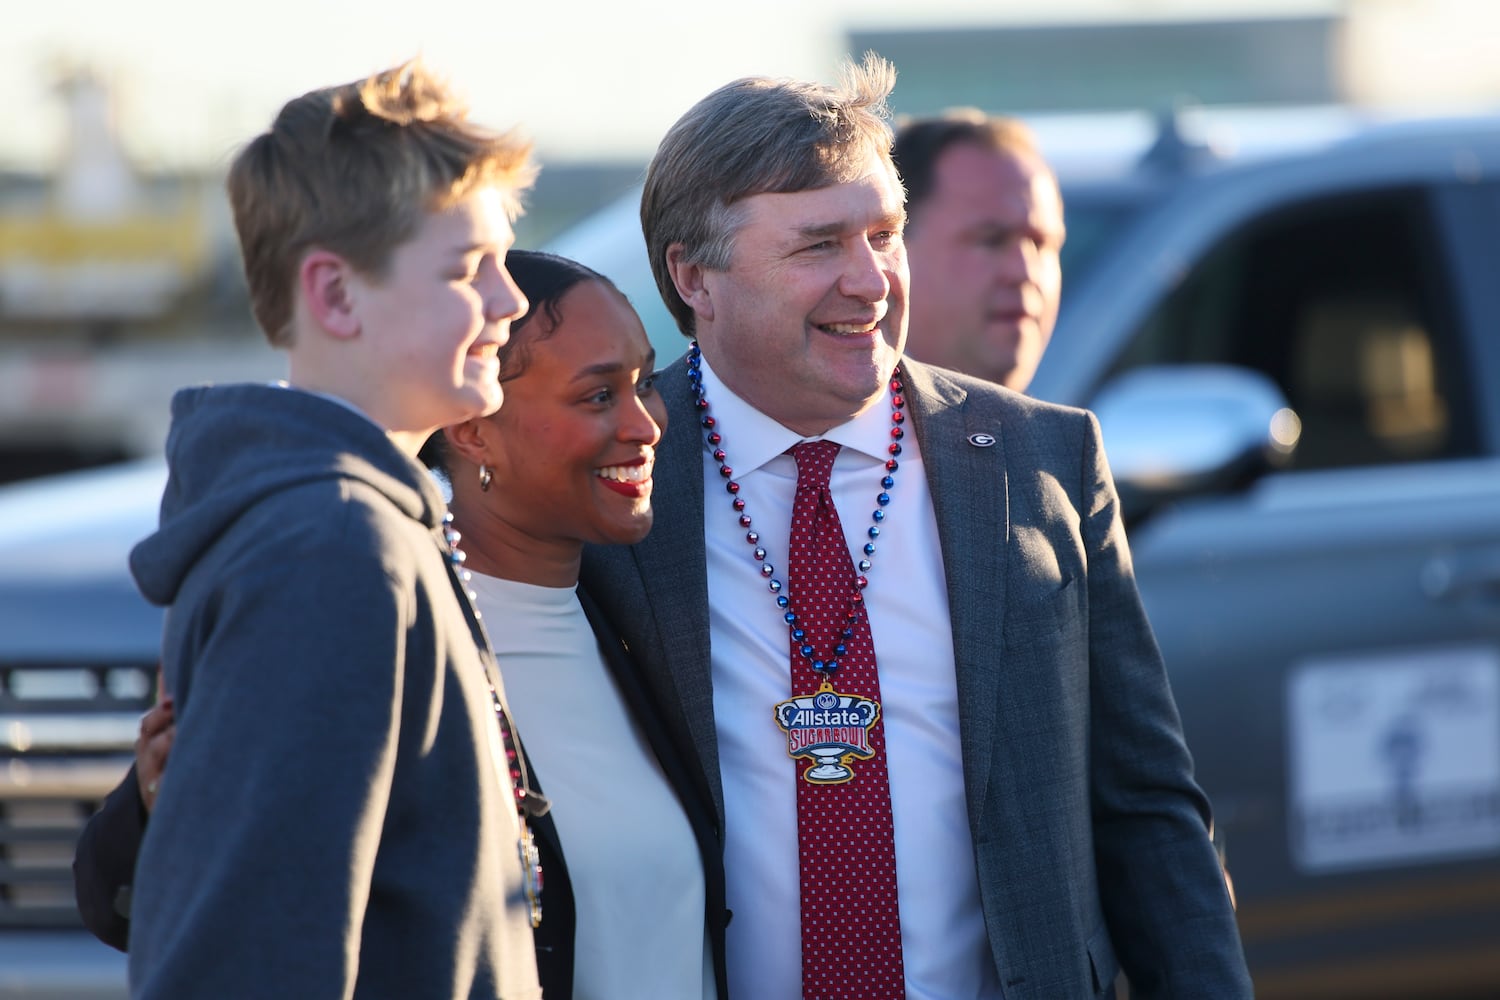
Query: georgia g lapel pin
pixel 982 440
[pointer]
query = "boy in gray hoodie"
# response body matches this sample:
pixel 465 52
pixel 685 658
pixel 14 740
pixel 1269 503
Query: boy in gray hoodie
pixel 341 818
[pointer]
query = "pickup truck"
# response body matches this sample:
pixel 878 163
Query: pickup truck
pixel 1330 619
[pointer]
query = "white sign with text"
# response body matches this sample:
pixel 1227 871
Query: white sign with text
pixel 1394 758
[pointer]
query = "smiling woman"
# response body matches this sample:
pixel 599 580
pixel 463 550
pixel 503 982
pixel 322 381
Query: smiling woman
pixel 571 452
pixel 566 461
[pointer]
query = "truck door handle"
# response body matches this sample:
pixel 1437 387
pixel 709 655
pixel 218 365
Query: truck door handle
pixel 1458 579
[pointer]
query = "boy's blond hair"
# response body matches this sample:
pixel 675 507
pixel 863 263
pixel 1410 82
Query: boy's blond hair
pixel 354 169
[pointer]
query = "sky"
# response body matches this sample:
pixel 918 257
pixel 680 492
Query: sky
pixel 590 79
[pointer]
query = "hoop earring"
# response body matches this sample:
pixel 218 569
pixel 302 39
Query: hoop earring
pixel 485 478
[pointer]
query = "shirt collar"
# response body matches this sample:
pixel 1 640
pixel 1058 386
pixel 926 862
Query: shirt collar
pixel 757 438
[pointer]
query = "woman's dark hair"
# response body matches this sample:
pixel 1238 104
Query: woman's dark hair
pixel 544 278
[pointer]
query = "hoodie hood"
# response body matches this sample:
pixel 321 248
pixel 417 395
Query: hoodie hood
pixel 230 447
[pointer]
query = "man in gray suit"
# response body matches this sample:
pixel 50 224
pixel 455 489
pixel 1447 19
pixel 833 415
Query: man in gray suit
pixel 1029 776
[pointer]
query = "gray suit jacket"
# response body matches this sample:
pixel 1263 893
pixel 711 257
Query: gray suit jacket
pixel 1090 834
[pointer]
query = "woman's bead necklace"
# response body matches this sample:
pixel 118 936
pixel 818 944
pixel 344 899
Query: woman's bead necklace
pixel 527 801
pixel 825 665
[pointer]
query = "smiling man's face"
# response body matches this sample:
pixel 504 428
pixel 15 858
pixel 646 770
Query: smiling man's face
pixel 808 322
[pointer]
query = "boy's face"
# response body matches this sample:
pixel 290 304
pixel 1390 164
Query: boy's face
pixel 432 325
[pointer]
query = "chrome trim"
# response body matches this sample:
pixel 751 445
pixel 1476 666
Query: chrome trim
pixel 89 778
pixel 50 732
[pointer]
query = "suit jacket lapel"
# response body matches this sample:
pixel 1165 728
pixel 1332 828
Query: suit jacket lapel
pixel 967 479
pixel 673 565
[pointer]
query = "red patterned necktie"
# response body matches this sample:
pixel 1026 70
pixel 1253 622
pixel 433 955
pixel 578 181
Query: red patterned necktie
pixel 851 926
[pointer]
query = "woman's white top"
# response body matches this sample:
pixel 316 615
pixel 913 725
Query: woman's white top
pixel 632 858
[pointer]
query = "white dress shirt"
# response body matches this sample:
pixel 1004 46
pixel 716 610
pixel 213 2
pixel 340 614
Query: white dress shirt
pixel 945 949
pixel 631 854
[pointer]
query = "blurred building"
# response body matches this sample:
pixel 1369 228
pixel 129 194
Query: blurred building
pixel 1118 66
pixel 1361 52
pixel 115 287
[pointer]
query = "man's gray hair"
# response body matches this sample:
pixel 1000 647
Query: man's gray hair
pixel 757 136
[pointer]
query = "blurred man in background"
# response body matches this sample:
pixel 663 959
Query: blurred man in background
pixel 984 235
pixel 984 232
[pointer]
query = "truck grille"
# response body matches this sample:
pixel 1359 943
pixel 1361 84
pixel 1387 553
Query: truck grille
pixel 67 735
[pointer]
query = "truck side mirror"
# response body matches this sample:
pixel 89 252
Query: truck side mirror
pixel 1176 430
